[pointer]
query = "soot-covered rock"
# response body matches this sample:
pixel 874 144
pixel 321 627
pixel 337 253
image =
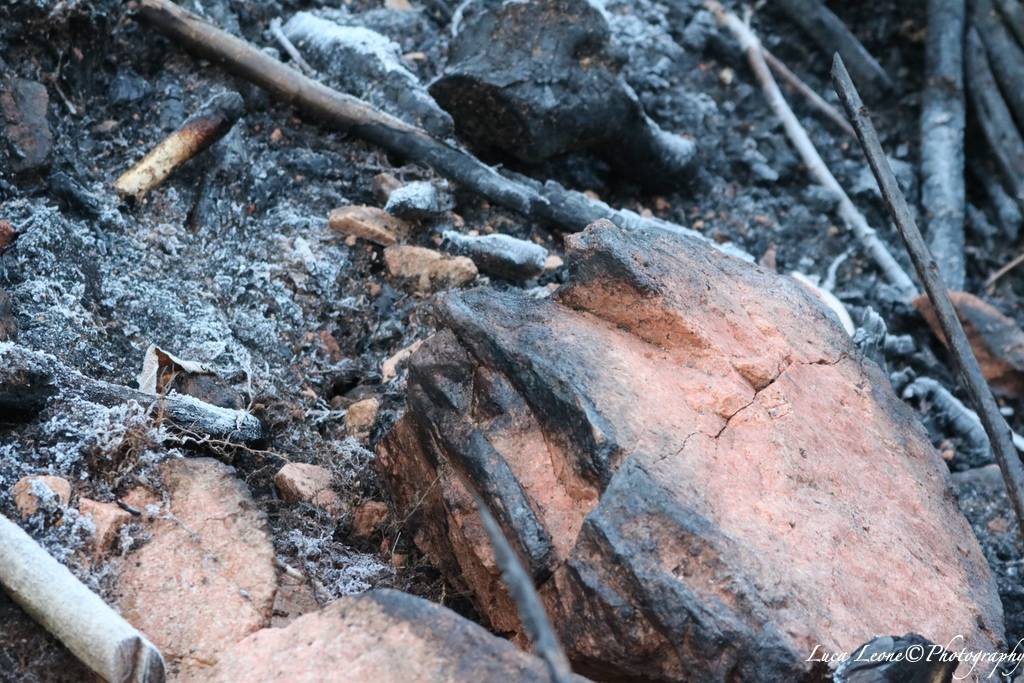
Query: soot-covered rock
pixel 23 105
pixel 702 475
pixel 997 340
pixel 535 80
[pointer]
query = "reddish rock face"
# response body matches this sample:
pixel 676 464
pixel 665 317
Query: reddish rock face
pixel 704 478
pixel 28 501
pixel 302 482
pixel 382 636
pixel 997 340
pixel 368 518
pixel 108 519
pixel 206 578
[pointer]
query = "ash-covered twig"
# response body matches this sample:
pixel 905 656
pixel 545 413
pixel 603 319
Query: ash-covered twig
pixel 831 34
pixel 531 610
pixel 942 138
pixel 289 47
pixel 813 98
pixel 552 204
pixel 28 377
pixel 963 357
pixel 853 218
pixel 992 114
pixel 77 617
pixel 507 257
pixel 954 416
pixel 202 129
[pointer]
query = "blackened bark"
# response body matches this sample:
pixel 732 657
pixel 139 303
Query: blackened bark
pixel 942 138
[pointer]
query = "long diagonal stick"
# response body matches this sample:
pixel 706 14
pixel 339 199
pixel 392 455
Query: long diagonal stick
pixel 928 271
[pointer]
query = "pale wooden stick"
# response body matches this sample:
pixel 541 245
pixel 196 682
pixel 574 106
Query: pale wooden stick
pixel 77 617
pixel 199 131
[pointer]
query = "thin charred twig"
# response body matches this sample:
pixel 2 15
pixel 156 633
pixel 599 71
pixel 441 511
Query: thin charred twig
pixel 853 218
pixel 815 100
pixel 994 277
pixel 942 138
pixel 543 202
pixel 97 635
pixel 1013 13
pixel 963 357
pixel 1004 140
pixel 831 34
pixel 201 130
pixel 1005 56
pixel 289 47
pixel 531 610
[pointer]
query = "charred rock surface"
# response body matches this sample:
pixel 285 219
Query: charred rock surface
pixel 703 477
pixel 24 105
pixel 536 94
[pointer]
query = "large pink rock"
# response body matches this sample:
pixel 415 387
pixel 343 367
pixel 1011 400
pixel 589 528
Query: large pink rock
pixel 703 476
pixel 382 636
pixel 206 578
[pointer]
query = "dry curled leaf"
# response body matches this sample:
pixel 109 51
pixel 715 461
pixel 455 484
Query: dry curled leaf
pixel 159 367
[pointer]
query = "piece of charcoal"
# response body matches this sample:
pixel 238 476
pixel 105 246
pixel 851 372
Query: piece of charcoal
pixel 535 80
pixel 23 106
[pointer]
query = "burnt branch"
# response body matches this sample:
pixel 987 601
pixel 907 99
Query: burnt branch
pixel 30 379
pixel 963 357
pixel 1013 13
pixel 942 138
pixel 813 98
pixel 1004 140
pixel 1005 56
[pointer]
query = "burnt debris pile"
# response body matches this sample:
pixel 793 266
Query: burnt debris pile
pixel 492 341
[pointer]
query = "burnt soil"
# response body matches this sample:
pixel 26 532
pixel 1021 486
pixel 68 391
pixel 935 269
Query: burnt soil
pixel 231 261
